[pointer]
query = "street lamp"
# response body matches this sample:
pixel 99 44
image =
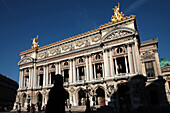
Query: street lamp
pixel 28 99
pixel 93 98
pixel 88 101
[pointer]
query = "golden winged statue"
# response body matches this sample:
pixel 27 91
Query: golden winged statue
pixel 117 15
pixel 35 43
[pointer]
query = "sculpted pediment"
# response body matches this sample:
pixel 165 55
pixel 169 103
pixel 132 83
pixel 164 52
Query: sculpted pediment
pixel 25 60
pixel 118 33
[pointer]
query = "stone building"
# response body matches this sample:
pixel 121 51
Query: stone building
pixel 8 92
pixel 110 62
pixel 165 68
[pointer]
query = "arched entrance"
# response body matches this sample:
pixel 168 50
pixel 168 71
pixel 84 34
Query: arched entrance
pixel 100 97
pixel 82 97
pixel 23 99
pixel 66 97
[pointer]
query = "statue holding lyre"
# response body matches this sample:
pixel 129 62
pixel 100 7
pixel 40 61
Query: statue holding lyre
pixel 117 15
pixel 35 43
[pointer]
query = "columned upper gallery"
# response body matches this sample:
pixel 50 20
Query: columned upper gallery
pixel 107 63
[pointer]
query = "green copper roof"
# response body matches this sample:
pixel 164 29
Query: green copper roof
pixel 164 61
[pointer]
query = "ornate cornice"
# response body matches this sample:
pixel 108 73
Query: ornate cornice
pixel 80 35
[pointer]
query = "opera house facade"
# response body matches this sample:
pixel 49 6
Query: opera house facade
pixel 111 62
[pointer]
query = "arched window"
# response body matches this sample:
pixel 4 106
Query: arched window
pixel 97 56
pixel 41 69
pixel 119 50
pixel 27 70
pixel 53 66
pixel 65 63
pixel 80 60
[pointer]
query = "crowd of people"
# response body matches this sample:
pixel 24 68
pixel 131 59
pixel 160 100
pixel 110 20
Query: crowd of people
pixel 32 108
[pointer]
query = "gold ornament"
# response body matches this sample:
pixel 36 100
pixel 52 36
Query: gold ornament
pixel 117 16
pixel 35 43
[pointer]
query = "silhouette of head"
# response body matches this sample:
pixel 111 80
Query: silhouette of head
pixel 58 80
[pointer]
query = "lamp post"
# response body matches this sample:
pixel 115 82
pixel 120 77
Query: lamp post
pixel 28 99
pixel 88 101
pixel 93 98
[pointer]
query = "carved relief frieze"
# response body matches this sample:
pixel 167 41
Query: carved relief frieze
pixel 110 90
pixel 147 55
pixel 66 47
pixel 58 50
pixel 25 60
pixel 53 51
pixel 96 38
pixel 43 54
pixel 79 43
pixel 72 90
pixel 87 42
pixel 118 33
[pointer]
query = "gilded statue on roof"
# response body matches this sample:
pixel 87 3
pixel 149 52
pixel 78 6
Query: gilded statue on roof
pixel 117 15
pixel 35 43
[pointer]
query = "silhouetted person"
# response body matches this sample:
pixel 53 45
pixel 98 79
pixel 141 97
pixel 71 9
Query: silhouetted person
pixel 32 108
pixel 39 107
pixel 28 108
pixel 56 103
pixel 70 108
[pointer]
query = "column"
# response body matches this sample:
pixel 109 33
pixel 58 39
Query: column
pixel 87 69
pixel 84 72
pixel 129 58
pixel 32 77
pixel 20 79
pixel 49 81
pixel 29 78
pixel 111 64
pixel 103 69
pixel 74 71
pixel 91 68
pixel 62 72
pixel 70 72
pixel 126 64
pixel 106 64
pixel 134 59
pixel 35 76
pixel 44 79
pixel 24 82
pixel 57 72
pixel 157 62
pixel 38 80
pixel 116 66
pixel 47 75
pixel 77 73
pixel 59 67
pixel 138 61
pixel 94 66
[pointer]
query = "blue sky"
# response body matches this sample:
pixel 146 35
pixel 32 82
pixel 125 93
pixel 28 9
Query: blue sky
pixel 54 20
